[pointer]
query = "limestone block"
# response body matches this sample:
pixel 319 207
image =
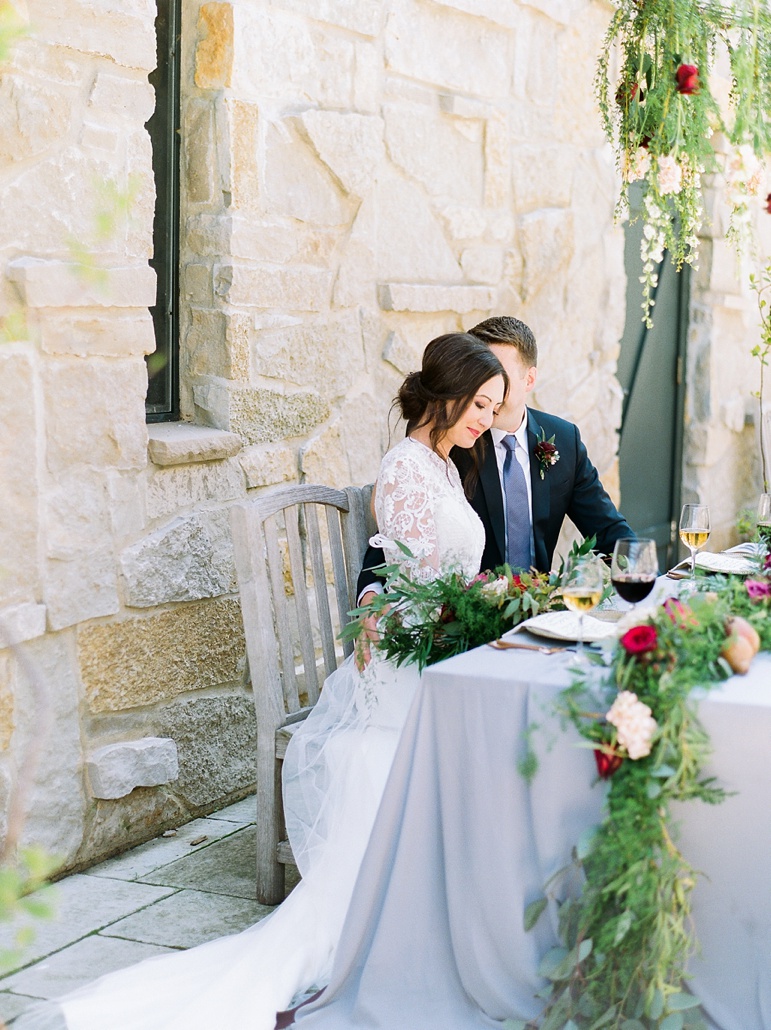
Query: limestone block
pixel 179 443
pixel 95 413
pixel 464 223
pixel 94 332
pixel 80 586
pixel 122 96
pixel 6 696
pixel 280 55
pixel 216 741
pixel 542 177
pixel 328 356
pixel 171 490
pixel 351 145
pixel 214 51
pixel 435 151
pixel 60 284
pixel 18 476
pixel 482 264
pixel 361 16
pixel 34 115
pixel 403 354
pixel 258 241
pixel 348 451
pixel 410 244
pixel 46 745
pixel 263 416
pixel 116 769
pixel 21 622
pixel 572 113
pixel 546 241
pixel 200 153
pixel 208 235
pixel 452 50
pixel 189 559
pixel 99 138
pixel 125 822
pixel 497 163
pixel 367 79
pixel 300 288
pixel 206 351
pixel 197 284
pixel 462 299
pixel 297 184
pixel 269 465
pixel 76 514
pixel 499 11
pixel 115 32
pixel 243 119
pixel 141 661
pixel 128 504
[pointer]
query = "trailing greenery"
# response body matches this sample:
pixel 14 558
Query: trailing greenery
pixel 661 113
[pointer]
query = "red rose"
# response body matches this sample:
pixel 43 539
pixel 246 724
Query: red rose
pixel 626 93
pixel 687 76
pixel 516 581
pixel 639 639
pixel 606 764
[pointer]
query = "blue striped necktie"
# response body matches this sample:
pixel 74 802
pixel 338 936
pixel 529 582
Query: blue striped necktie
pixel 517 511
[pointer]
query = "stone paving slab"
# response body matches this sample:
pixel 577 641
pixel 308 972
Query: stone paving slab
pixel 227 867
pixel 243 812
pixel 163 850
pixel 188 918
pixel 80 964
pixel 83 904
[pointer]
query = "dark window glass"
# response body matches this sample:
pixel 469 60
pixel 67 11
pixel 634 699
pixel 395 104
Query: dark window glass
pixel 162 366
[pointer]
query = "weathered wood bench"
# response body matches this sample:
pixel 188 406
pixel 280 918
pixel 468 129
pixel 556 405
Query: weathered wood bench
pixel 298 553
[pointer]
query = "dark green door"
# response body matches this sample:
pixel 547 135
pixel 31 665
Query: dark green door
pixel 650 370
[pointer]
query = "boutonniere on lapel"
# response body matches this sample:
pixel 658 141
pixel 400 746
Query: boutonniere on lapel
pixel 546 453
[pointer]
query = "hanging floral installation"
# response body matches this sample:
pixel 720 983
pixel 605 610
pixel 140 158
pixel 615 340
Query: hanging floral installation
pixel 662 113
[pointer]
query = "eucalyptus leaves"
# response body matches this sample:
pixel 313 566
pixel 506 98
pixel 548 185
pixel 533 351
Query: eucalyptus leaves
pixel 662 113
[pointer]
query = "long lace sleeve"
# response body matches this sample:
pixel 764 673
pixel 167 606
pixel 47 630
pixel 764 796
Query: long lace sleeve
pixel 404 507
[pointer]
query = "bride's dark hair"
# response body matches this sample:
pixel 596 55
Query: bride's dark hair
pixel 454 368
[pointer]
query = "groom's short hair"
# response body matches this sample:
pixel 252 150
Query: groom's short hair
pixel 507 329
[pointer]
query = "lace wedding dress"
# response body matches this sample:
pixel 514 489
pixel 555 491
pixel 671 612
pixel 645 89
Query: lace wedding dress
pixel 334 774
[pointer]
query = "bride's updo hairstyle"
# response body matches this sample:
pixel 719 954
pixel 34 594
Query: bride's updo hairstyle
pixel 455 367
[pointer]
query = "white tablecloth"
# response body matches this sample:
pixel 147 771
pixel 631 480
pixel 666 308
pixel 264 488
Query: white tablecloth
pixel 434 937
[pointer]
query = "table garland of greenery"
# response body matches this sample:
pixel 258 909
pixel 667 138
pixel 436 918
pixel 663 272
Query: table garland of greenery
pixel 626 938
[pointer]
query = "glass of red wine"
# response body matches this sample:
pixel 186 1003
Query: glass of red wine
pixel 634 568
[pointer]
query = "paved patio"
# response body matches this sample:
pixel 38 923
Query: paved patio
pixel 169 894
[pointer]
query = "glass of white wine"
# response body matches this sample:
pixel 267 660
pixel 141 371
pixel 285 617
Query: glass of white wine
pixel 764 521
pixel 582 585
pixel 694 529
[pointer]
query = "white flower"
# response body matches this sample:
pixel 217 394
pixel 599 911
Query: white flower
pixel 496 589
pixel 635 726
pixel 670 175
pixel 638 165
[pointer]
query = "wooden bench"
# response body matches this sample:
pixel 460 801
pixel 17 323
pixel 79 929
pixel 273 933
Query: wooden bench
pixel 298 552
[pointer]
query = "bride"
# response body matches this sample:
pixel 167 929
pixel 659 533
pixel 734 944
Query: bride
pixel 337 763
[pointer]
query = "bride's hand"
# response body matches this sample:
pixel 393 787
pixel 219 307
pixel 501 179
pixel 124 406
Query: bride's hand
pixel 368 636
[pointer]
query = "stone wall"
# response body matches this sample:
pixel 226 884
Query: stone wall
pixel 358 177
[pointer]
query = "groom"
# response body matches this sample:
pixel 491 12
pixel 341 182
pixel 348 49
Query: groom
pixel 525 487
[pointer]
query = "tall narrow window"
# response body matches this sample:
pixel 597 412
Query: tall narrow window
pixel 163 391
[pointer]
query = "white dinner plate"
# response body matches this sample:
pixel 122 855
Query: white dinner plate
pixel 564 626
pixel 737 564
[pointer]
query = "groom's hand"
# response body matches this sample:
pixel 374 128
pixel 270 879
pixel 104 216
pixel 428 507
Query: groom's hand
pixel 369 634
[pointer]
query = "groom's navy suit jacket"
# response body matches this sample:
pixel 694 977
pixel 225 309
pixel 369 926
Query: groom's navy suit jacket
pixel 571 487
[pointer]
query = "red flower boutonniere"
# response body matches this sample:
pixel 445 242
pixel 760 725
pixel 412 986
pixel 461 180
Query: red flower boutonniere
pixel 546 453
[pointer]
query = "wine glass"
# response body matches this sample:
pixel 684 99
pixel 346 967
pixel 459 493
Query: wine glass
pixel 694 529
pixel 634 568
pixel 764 520
pixel 582 586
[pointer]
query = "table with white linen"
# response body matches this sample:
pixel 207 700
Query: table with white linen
pixel 462 843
